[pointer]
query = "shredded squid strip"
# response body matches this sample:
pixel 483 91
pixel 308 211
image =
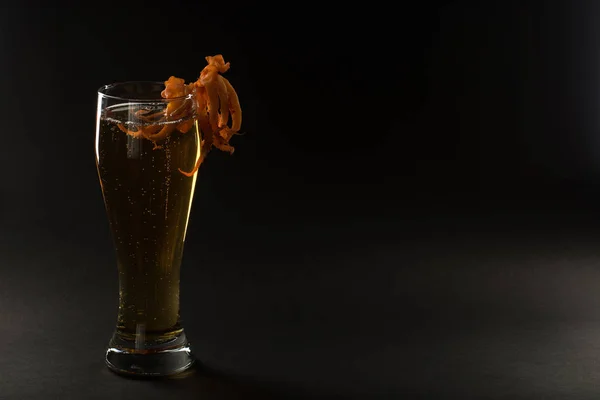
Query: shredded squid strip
pixel 217 103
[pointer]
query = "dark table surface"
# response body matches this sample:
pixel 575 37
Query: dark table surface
pixel 476 308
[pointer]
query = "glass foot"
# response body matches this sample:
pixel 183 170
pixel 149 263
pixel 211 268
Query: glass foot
pixel 149 360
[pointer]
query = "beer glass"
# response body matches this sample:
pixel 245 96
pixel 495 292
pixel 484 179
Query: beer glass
pixel 147 201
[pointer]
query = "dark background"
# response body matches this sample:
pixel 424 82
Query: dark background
pixel 411 213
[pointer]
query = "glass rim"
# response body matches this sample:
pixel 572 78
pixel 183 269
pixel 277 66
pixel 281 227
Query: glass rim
pixel 102 92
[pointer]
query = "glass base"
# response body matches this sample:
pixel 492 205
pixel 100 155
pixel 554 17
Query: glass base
pixel 149 360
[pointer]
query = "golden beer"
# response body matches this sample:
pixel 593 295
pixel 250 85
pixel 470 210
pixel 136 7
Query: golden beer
pixel 148 205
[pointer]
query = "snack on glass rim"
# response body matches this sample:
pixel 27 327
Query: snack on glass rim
pixel 217 102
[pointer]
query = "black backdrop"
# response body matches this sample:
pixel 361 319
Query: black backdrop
pixel 411 211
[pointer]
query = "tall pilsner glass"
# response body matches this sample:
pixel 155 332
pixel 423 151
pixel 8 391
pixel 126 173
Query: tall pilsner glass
pixel 148 203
